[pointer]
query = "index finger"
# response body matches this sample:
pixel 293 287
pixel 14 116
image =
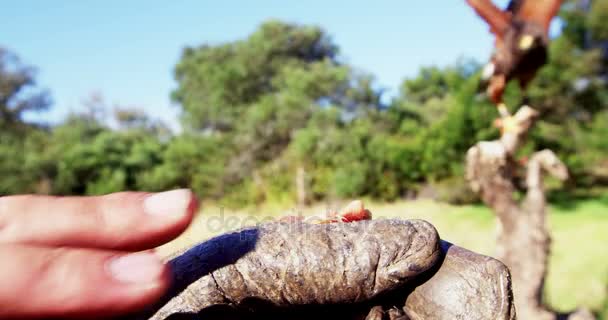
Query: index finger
pixel 122 221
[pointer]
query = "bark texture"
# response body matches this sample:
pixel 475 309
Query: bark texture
pixel 524 241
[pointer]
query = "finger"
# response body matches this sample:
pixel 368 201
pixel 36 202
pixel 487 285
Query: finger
pixel 40 282
pixel 125 221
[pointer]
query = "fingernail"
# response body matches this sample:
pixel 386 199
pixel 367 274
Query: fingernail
pixel 142 267
pixel 176 202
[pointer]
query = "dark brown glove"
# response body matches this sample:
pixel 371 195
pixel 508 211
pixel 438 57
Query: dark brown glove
pixel 384 269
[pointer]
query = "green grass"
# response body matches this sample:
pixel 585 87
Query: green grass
pixel 578 270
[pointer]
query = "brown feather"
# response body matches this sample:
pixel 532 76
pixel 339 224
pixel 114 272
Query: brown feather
pixel 497 19
pixel 540 12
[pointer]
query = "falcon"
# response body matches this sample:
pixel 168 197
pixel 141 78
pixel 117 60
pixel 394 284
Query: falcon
pixel 522 39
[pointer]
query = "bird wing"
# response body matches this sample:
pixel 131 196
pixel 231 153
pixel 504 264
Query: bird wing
pixel 540 12
pixel 497 19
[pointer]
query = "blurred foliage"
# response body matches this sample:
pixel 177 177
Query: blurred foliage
pixel 258 110
pixel 18 93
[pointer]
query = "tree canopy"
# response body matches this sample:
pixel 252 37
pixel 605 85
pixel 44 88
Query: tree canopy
pixel 280 105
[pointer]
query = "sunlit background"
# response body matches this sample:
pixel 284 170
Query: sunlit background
pixel 263 107
pixel 127 50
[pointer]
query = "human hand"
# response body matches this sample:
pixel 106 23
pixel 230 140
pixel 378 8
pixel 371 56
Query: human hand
pixel 81 257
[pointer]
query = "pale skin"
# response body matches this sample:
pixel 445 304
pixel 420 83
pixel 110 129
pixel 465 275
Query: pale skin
pixel 86 257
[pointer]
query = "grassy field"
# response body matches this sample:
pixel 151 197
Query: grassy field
pixel 578 271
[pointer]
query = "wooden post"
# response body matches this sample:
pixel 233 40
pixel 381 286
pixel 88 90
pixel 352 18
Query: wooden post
pixel 301 186
pixel 523 240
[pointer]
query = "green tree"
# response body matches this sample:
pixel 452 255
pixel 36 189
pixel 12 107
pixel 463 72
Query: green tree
pixel 255 93
pixel 25 164
pixel 110 161
pixel 216 84
pixel 18 92
pixel 571 91
pixel 92 158
pixel 21 167
pixel 189 161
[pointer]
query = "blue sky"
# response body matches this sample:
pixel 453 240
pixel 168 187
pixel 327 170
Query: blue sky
pixel 126 50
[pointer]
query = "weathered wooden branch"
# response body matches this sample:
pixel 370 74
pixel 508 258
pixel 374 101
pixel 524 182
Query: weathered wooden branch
pixel 523 240
pixel 301 187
